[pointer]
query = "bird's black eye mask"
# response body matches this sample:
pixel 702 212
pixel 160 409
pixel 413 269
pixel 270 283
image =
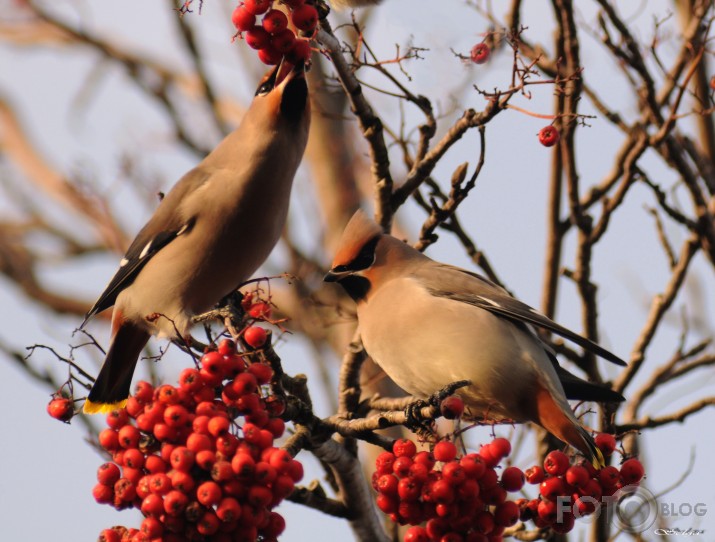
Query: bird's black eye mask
pixel 267 85
pixel 364 259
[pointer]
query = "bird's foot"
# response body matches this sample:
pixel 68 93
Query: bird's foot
pixel 227 310
pixel 437 397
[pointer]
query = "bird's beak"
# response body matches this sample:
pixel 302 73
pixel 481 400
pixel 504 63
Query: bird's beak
pixel 335 276
pixel 288 71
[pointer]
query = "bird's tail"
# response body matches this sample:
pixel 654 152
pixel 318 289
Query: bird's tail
pixel 111 389
pixel 551 416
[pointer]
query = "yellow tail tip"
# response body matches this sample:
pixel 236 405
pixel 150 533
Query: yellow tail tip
pixel 598 461
pixel 102 408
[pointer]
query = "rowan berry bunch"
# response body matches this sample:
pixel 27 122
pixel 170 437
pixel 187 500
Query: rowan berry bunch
pixel 575 487
pixel 447 496
pixel 266 29
pixel 198 459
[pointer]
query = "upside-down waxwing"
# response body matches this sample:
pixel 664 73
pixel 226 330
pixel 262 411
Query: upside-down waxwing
pixel 428 324
pixel 344 4
pixel 210 233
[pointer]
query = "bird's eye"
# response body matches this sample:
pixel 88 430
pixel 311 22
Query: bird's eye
pixel 366 257
pixel 265 88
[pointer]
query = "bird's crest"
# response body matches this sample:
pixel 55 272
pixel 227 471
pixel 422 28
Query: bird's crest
pixel 360 230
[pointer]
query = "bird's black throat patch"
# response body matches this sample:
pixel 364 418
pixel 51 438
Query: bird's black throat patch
pixel 295 96
pixel 357 287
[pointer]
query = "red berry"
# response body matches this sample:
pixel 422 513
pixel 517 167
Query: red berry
pixel 577 476
pixel 548 510
pixel 103 494
pixel 128 436
pixel 452 407
pixel 483 522
pixel 152 528
pixel 632 471
pixel 257 7
pixel 404 448
pixel 549 136
pixel 592 489
pixel 609 476
pixel 480 53
pixel 175 502
pixel 109 535
pixel 182 458
pixel 274 21
pixel 401 466
pixel 301 51
pixel 445 451
pixel 125 490
pixel 208 524
pixel 143 391
pixel 197 442
pixel 606 443
pixel 262 372
pixel 712 83
pixel 117 418
pixel 133 458
pixel 387 484
pixel 454 473
pixel 284 42
pixel 108 474
pixel 256 336
pixel 209 493
pixel 493 495
pixel 160 483
pixel 243 465
pixel 506 514
pixel 473 466
pixel 552 488
pixel 408 489
pixel 500 447
pixel 535 475
pixel 565 525
pixel 556 463
pixel 152 505
pixel 61 408
pixel 305 18
pixel 243 19
pixel 416 534
pixel 384 461
pixel 512 479
pixel 257 37
pixel 176 416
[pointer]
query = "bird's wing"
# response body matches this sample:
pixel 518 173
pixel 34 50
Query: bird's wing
pixel 467 287
pixel 167 223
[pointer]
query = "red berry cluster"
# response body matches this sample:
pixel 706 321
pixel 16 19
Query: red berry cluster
pixel 459 497
pixel 257 309
pixel 198 459
pixel 272 37
pixel 578 485
pixel 462 498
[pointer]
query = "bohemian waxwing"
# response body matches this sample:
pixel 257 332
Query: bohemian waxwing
pixel 344 4
pixel 429 324
pixel 209 234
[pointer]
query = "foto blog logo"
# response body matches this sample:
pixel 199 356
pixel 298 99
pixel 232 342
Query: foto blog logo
pixel 632 509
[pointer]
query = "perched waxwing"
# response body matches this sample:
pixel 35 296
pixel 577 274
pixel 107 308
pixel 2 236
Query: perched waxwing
pixel 344 4
pixel 210 233
pixel 429 324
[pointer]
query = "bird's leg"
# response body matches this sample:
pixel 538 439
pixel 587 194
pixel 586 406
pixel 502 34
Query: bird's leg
pixel 415 411
pixel 228 307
